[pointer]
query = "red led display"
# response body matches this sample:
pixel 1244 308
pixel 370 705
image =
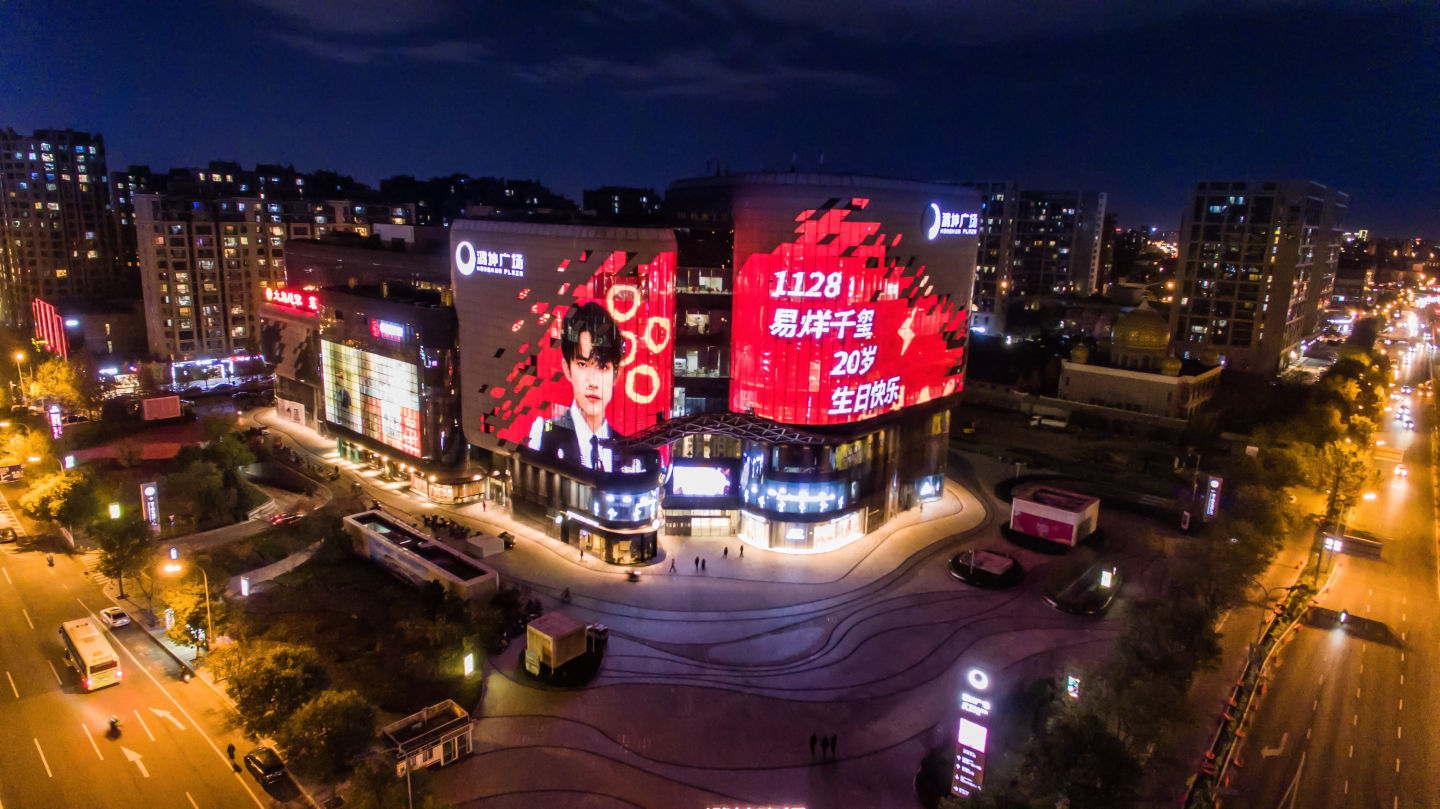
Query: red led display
pixel 301 300
pixel 832 328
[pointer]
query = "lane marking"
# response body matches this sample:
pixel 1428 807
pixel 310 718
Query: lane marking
pixel 134 758
pixel 1397 765
pixel 1402 704
pixel 42 759
pixel 1357 693
pixel 12 684
pixel 220 754
pixel 7 575
pixel 1315 705
pixel 168 715
pixel 26 613
pixel 53 671
pixel 187 797
pixel 1355 720
pixel 1397 731
pixel 141 719
pixel 1307 733
pixel 88 735
pixel 1347 786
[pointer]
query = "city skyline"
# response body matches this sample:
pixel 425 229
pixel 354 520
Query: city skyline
pixel 648 93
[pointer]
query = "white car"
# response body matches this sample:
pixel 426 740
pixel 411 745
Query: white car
pixel 114 617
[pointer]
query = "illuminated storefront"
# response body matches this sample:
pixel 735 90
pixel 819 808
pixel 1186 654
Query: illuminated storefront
pixel 387 370
pixel 778 364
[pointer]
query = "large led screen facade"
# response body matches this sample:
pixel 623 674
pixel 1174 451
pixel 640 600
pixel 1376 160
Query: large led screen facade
pixel 850 302
pixel 375 396
pixel 566 336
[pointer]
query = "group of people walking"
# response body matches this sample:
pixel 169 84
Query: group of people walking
pixel 700 561
pixel 827 745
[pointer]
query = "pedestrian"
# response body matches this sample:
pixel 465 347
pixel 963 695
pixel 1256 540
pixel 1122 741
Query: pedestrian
pixel 672 565
pixel 483 507
pixel 742 551
pixel 824 746
pixel 833 740
pixel 813 739
pixel 230 750
pixel 697 563
pixel 702 565
pixel 726 553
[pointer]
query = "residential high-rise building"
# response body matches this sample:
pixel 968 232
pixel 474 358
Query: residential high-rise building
pixel 614 202
pixel 442 200
pixel 206 262
pixel 1033 244
pixel 57 236
pixel 1256 267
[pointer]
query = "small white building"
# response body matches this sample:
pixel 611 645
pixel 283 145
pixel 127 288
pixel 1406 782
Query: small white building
pixel 433 737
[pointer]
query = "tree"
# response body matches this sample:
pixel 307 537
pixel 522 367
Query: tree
pixel 186 598
pixel 374 786
pixel 22 445
pixel 202 485
pixel 63 497
pixel 55 380
pixel 1077 757
pixel 269 682
pixel 125 546
pixel 1341 474
pixel 327 732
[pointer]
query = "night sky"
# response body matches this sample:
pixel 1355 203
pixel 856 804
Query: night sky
pixel 1138 99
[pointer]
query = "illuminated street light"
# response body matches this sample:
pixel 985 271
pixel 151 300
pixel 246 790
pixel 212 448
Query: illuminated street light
pixel 174 568
pixel 114 511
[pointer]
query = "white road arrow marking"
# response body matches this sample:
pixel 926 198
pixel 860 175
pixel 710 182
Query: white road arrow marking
pixel 1269 752
pixel 168 715
pixel 131 755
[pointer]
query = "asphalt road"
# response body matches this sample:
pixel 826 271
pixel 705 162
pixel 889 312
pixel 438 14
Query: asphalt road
pixel 1347 717
pixel 56 752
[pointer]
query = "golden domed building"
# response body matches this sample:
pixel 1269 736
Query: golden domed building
pixel 1141 376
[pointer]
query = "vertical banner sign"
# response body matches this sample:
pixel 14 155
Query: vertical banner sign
pixel 57 422
pixel 972 734
pixel 150 503
pixel 1212 497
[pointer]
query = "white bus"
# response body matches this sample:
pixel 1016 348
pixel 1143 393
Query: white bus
pixel 87 651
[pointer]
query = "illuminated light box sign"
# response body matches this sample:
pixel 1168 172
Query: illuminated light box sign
pixel 307 302
pixel 377 397
pixel 951 223
pixel 386 330
pixel 700 481
pixel 840 322
pixel 576 351
pixel 469 260
pixel 973 734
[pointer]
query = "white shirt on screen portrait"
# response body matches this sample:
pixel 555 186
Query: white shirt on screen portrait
pixel 587 440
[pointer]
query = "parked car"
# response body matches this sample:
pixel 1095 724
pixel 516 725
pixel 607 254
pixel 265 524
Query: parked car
pixel 7 534
pixel 265 765
pixel 114 617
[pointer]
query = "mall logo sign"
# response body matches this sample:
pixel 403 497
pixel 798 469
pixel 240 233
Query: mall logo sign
pixel 951 223
pixel 468 260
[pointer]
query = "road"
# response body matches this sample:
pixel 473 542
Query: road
pixel 1347 718
pixel 171 752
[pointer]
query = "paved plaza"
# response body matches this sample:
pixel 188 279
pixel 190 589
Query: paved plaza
pixel 713 682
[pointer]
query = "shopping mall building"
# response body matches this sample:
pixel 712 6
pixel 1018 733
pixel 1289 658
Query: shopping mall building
pixel 776 363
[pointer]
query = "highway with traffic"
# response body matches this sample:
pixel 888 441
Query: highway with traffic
pixel 1347 718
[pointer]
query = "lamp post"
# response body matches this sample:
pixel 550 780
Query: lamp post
pixel 173 567
pixel 20 373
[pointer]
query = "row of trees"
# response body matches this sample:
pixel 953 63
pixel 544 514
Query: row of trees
pixel 1095 751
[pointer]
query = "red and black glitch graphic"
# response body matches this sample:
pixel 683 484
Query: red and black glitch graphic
pixel 833 328
pixel 638 294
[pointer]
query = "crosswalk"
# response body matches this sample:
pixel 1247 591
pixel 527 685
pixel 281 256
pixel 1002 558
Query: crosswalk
pixel 8 518
pixel 91 562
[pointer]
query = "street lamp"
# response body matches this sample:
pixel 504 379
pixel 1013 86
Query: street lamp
pixel 173 568
pixel 20 373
